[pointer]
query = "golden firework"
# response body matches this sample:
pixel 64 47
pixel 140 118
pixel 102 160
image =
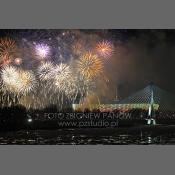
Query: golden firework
pixel 27 80
pixel 89 65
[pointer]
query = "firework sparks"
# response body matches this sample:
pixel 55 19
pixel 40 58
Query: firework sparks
pixel 62 75
pixel 105 49
pixel 72 88
pixel 17 81
pixel 18 61
pixel 42 50
pixel 27 80
pixel 42 82
pixel 9 76
pixel 45 71
pixel 89 65
pixel 7 49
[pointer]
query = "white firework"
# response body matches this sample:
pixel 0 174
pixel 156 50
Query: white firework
pixel 17 81
pixel 62 75
pixel 45 71
pixel 9 77
pixel 42 50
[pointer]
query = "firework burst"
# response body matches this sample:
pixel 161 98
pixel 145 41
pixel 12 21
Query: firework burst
pixel 27 80
pixel 105 49
pixel 42 82
pixel 17 81
pixel 89 66
pixel 42 51
pixel 9 77
pixel 7 50
pixel 45 71
pixel 62 74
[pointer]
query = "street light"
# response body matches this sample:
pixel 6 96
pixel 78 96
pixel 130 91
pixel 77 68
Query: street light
pixel 29 119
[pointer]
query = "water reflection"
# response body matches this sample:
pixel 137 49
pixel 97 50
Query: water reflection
pixel 59 137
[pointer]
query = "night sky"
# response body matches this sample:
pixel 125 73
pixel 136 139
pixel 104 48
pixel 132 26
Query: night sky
pixel 140 56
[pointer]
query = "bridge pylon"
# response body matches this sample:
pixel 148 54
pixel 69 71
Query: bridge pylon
pixel 151 112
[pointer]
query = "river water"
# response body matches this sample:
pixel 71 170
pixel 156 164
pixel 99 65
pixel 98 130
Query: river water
pixel 85 137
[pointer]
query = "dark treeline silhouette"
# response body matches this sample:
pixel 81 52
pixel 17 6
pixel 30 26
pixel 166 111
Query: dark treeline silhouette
pixel 13 117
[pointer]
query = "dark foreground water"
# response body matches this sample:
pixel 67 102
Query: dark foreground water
pixel 139 135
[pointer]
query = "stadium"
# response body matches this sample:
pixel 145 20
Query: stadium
pixel 150 99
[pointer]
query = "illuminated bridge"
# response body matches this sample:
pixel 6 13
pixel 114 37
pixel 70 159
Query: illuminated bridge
pixel 150 98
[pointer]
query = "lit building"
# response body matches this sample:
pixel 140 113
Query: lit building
pixel 150 98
